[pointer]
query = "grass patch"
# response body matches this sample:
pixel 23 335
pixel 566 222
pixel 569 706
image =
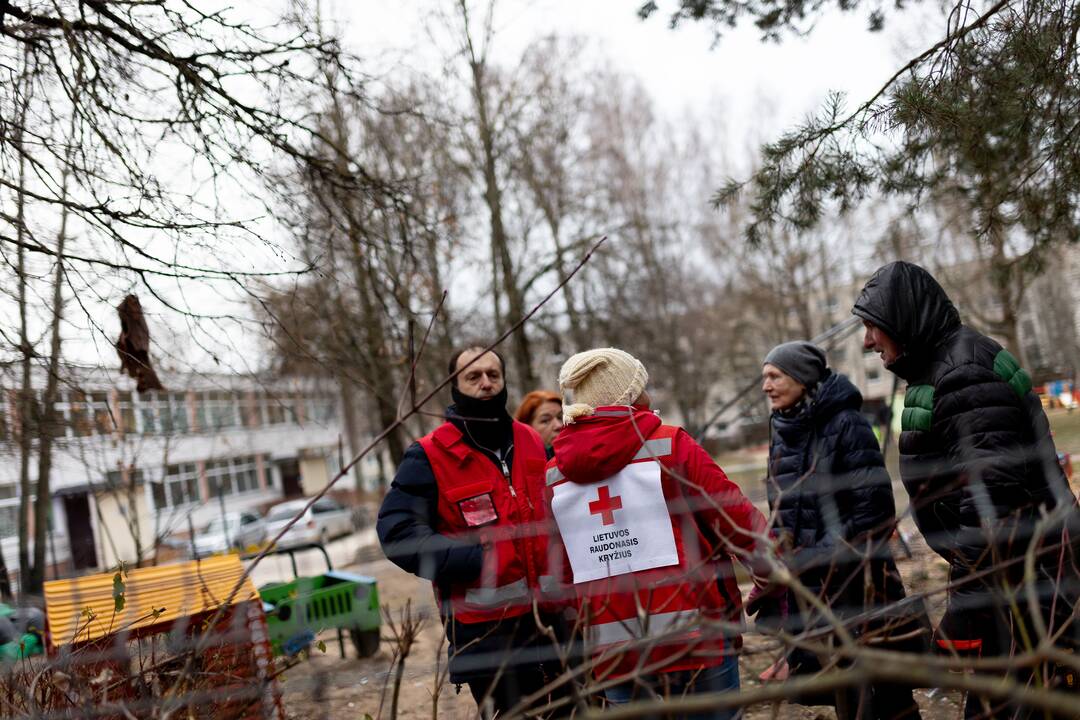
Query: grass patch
pixel 1066 428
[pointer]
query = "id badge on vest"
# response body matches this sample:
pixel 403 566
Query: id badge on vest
pixel 478 510
pixel 617 526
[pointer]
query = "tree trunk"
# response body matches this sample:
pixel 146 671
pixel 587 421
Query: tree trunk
pixel 441 342
pixel 577 327
pixel 551 209
pixel 49 427
pixel 26 414
pixel 379 373
pixel 352 427
pixel 1009 292
pixel 134 522
pixel 522 352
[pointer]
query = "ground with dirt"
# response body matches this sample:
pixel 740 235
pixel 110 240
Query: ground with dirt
pixel 325 686
pixel 328 687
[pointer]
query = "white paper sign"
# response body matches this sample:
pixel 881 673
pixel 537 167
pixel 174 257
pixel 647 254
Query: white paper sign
pixel 617 526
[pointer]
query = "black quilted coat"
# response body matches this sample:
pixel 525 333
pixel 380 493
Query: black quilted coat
pixel 832 494
pixel 977 458
pixel 833 498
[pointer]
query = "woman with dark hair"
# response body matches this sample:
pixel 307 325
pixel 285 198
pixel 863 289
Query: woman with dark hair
pixel 542 411
pixel 833 502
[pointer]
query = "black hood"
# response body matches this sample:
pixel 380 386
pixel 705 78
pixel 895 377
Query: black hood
pixel 907 303
pixel 835 394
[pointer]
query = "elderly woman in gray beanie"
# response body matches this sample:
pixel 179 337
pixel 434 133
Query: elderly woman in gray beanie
pixel 832 501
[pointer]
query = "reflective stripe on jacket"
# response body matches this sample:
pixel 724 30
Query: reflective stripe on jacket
pixel 476 499
pixel 666 606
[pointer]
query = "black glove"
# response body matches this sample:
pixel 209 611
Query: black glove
pixel 769 604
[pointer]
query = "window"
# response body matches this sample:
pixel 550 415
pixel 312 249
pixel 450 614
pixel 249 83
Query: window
pixel 275 412
pixel 9 520
pixel 104 422
pixel 325 505
pixel 125 411
pixel 230 477
pixel 218 410
pixel 180 486
pixel 279 409
pixel 148 412
pixel 115 479
pixel 251 410
pixel 245 474
pixel 321 410
pixel 164 413
pixel 219 478
pixel 285 511
pixel 80 414
pixel 173 413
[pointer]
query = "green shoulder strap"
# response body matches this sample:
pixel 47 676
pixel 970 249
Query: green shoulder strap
pixel 918 408
pixel 1008 369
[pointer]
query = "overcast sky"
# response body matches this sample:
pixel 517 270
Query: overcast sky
pixel 762 88
pixel 758 89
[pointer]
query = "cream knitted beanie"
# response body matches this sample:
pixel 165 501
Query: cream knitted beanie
pixel 604 376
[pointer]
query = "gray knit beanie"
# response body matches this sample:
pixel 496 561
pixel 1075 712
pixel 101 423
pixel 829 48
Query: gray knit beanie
pixel 803 361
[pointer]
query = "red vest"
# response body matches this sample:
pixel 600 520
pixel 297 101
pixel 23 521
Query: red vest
pixel 480 504
pixel 664 609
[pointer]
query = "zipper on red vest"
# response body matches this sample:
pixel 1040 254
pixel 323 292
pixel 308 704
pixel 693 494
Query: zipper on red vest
pixel 506 474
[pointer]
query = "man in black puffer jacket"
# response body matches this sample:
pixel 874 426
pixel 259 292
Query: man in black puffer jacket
pixel 979 464
pixel 833 500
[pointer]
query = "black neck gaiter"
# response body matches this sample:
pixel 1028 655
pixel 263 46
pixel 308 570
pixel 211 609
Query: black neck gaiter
pixel 485 423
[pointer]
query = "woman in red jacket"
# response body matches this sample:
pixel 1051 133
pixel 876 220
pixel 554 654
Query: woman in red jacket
pixel 646 522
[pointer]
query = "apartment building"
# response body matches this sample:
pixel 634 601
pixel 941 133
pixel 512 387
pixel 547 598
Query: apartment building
pixel 131 469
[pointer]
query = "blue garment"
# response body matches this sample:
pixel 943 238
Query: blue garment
pixel 828 484
pixel 719 678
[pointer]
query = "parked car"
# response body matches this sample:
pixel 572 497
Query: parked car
pixel 322 522
pixel 238 530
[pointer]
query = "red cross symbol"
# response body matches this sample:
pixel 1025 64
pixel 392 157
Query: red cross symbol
pixel 605 506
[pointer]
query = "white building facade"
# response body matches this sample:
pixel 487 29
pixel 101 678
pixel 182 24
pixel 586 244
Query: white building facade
pixel 131 469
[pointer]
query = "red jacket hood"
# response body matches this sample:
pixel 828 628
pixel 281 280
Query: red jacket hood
pixel 595 447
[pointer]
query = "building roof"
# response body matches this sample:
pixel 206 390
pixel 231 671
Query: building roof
pixel 83 609
pixel 91 378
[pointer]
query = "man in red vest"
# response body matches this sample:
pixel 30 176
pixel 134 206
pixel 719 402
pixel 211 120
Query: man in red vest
pixel 465 510
pixel 648 522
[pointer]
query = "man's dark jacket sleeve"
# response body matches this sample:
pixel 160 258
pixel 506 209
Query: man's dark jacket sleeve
pixel 407 521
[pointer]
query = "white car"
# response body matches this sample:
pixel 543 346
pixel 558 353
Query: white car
pixel 233 530
pixel 324 521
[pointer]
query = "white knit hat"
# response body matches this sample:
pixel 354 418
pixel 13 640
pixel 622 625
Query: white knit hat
pixel 604 376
